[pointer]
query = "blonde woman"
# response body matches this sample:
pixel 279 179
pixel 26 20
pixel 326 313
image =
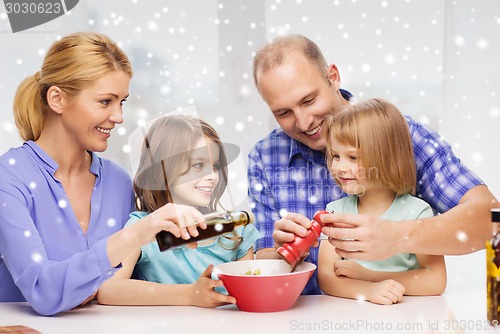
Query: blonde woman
pixel 63 206
pixel 183 161
pixel 370 155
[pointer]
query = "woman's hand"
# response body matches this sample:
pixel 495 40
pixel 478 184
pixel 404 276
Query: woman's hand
pixel 180 220
pixel 203 293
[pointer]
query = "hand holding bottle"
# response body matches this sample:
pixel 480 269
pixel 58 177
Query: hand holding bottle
pixel 215 224
pixel 179 220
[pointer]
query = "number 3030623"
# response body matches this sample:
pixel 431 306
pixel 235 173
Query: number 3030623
pixel 33 8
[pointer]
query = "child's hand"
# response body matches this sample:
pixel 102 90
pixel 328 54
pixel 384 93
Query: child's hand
pixel 203 293
pixel 385 292
pixel 351 269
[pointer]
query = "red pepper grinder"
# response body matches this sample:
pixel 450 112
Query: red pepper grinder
pixel 296 251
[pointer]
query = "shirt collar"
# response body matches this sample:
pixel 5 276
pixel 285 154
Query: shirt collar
pixel 297 148
pixel 51 166
pixel 345 94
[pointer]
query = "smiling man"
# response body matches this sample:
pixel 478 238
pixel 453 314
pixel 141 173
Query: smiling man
pixel 289 179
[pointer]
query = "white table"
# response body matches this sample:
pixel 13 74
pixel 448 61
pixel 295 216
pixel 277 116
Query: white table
pixel 463 311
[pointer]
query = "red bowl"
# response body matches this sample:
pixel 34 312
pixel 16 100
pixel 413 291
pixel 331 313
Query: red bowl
pixel 274 289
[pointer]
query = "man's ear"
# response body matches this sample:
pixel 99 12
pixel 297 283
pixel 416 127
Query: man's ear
pixel 334 75
pixel 55 99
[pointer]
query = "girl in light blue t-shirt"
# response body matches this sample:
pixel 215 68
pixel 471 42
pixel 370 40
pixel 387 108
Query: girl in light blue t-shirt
pixel 183 161
pixel 370 155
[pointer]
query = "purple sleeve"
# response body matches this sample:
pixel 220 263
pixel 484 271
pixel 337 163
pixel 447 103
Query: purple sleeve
pixel 50 286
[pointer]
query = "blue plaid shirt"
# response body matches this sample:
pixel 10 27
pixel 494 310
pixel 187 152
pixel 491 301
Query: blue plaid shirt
pixel 287 176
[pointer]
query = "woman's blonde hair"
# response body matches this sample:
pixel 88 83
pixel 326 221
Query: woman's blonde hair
pixel 165 156
pixel 380 134
pixel 72 64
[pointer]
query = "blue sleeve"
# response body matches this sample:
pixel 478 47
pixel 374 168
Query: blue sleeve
pixel 262 200
pixel 442 179
pixel 425 212
pixel 134 217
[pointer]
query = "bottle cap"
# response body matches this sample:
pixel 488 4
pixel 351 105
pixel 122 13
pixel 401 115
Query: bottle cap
pixel 317 217
pixel 251 216
pixel 495 215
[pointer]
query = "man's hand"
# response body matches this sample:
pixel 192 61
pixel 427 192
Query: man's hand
pixel 363 237
pixel 291 225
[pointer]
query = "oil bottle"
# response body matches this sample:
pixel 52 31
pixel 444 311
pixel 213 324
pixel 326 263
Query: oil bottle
pixel 493 270
pixel 218 223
